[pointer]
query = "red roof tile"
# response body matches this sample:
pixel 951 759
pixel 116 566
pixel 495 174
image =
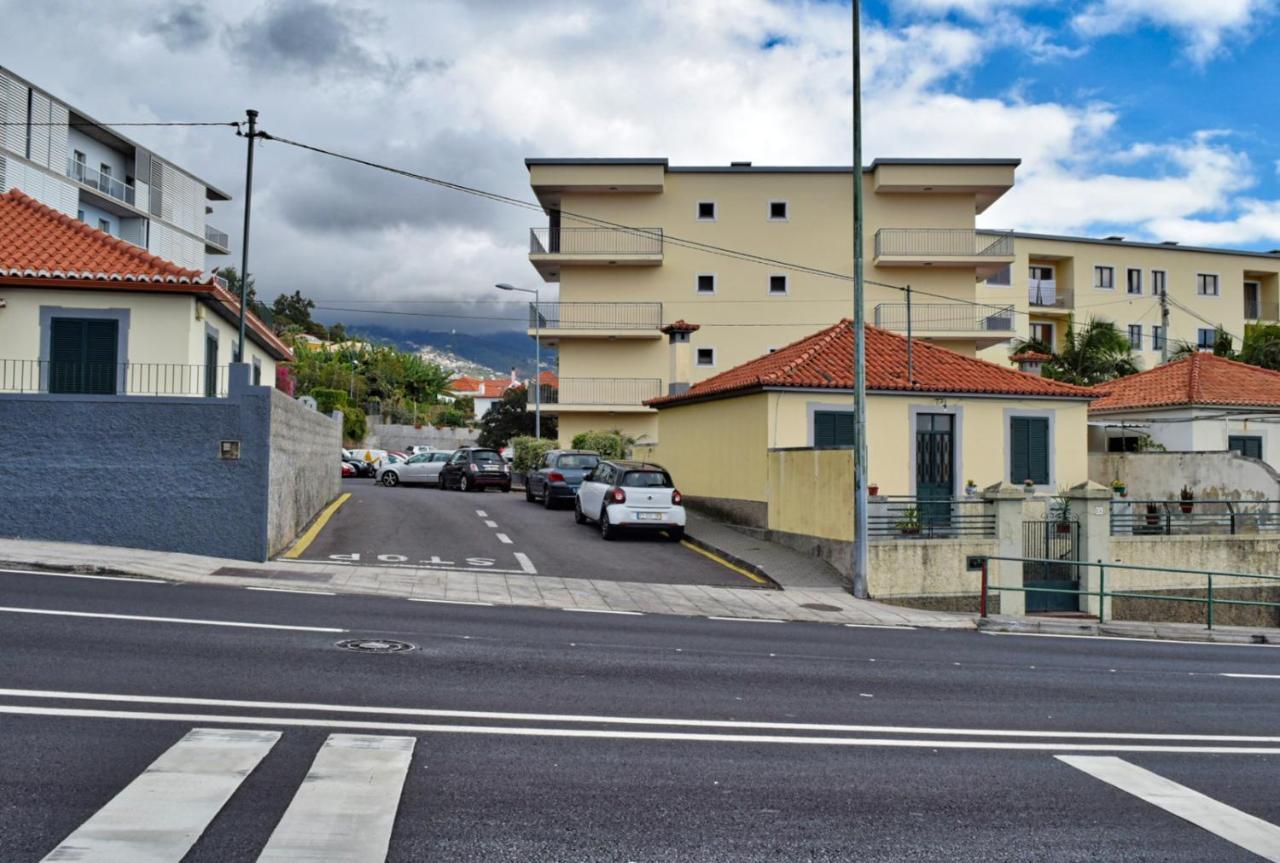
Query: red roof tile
pixel 681 326
pixel 824 360
pixel 464 384
pixel 1031 357
pixel 1200 379
pixel 549 378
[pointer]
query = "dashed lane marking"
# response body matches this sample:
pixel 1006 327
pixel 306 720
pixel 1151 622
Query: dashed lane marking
pixel 444 567
pixel 488 522
pixel 482 513
pixel 316 526
pixel 604 611
pixel 85 575
pixel 451 601
pixel 292 590
pixel 1253 676
pixel 526 565
pixel 747 619
pixel 878 626
pixel 504 539
pixel 186 620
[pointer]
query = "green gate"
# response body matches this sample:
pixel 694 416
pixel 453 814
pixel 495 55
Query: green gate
pixel 1054 544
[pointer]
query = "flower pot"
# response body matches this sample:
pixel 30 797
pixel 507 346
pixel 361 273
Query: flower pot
pixel 1029 489
pixel 1186 506
pixel 970 490
pixel 1120 490
pixel 873 489
pixel 910 531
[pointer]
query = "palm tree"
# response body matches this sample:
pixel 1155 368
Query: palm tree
pixel 1092 355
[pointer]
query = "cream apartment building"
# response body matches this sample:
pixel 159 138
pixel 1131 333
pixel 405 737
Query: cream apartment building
pixel 638 244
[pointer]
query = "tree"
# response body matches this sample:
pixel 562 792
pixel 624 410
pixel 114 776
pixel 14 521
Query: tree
pixel 232 277
pixel 1262 346
pixel 295 312
pixel 510 418
pixel 1222 346
pixel 1097 353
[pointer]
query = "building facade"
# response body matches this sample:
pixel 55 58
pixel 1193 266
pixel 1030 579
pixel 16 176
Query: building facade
pixel 60 156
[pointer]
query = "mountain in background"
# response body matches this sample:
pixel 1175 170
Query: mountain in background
pixel 488 355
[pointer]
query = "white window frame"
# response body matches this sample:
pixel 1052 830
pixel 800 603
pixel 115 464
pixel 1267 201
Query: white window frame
pixel 697 211
pixel 1127 272
pixel 1053 273
pixel 1217 284
pixel 786 281
pixel 697 284
pixel 1052 331
pixel 1158 337
pixel 697 361
pixel 1164 282
pixel 1098 287
pixel 769 211
pixel 1129 332
pixel 1213 335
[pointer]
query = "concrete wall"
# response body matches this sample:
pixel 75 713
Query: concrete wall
pixel 717 449
pixel 303 476
pixel 1210 475
pixel 811 492
pixel 401 437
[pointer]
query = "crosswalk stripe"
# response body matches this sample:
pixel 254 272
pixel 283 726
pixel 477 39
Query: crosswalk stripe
pixel 1240 828
pixel 347 804
pixel 157 817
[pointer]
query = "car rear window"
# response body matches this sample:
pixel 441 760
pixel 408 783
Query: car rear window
pixel 646 479
pixel 485 456
pixel 578 462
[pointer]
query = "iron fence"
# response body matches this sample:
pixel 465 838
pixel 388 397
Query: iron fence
pixel 105 183
pixel 595 316
pixel 595 241
pixel 904 517
pixel 939 317
pixel 943 242
pixel 134 379
pixel 601 391
pixel 1189 517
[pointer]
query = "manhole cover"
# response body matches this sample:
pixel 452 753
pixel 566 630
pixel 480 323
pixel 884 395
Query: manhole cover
pixel 376 645
pixel 820 606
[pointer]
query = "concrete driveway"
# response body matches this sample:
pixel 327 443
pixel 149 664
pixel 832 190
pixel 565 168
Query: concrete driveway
pixel 414 526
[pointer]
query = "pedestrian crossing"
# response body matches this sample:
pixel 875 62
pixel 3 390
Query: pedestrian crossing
pixel 343 811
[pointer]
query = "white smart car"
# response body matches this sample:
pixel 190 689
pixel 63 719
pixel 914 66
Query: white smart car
pixel 630 495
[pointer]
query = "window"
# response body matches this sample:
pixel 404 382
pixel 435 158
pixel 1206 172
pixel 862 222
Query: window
pixel 707 211
pixel 1247 445
pixel 1207 285
pixel 1135 336
pixel 79 157
pixel 575 461
pixel 832 428
pixel 1158 338
pixel 777 211
pixel 1123 444
pixel 1205 338
pixel 777 284
pixel 82 355
pixel 104 226
pixel 1041 274
pixel 80 215
pixel 706 283
pixel 257 372
pixel 1158 278
pixel 1029 450
pixel 646 479
pixel 706 356
pixel 1104 277
pixel 1001 278
pixel 105 170
pixel 1043 334
pixel 1134 281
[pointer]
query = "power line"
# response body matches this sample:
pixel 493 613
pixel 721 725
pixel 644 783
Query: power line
pixel 69 124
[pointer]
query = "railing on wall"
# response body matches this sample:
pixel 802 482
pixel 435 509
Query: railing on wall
pixel 134 379
pixel 218 238
pixel 940 317
pixel 595 316
pixel 595 241
pixel 601 391
pixel 1194 517
pixel 893 517
pixel 94 179
pixel 943 242
pixel 1045 294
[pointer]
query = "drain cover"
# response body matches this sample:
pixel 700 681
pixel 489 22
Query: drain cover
pixel 820 606
pixel 376 645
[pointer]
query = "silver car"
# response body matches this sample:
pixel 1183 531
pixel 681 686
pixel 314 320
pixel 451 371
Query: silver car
pixel 421 469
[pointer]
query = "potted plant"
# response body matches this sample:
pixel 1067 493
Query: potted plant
pixel 1153 515
pixel 1061 512
pixel 873 489
pixel 909 522
pixel 1029 485
pixel 1119 488
pixel 1187 498
pixel 970 487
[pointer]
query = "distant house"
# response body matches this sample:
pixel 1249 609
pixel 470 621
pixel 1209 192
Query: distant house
pixel 82 311
pixel 1202 403
pixel 486 391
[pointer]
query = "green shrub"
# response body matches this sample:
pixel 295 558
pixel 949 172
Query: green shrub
pixel 609 444
pixel 354 424
pixel 327 400
pixel 529 452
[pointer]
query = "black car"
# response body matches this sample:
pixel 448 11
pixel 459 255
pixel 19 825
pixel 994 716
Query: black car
pixel 475 469
pixel 363 468
pixel 558 477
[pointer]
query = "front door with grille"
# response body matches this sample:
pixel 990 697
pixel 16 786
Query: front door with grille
pixel 83 355
pixel 935 473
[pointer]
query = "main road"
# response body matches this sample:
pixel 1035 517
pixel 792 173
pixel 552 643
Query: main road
pixel 510 734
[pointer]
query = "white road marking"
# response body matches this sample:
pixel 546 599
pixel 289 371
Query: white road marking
pixel 85 575
pixel 482 513
pixel 878 626
pixel 1130 640
pixel 490 523
pixel 1253 676
pixel 748 619
pixel 160 815
pixel 148 619
pixel 449 568
pixel 617 734
pixel 504 539
pixel 450 601
pixel 1239 828
pixel 604 611
pixel 347 804
pixel 526 565
pixel 294 590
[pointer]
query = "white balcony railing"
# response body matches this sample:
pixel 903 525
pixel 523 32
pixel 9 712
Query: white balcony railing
pixel 104 183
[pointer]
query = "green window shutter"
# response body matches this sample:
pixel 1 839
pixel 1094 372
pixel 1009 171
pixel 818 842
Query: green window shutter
pixel 66 352
pixel 100 340
pixel 832 428
pixel 1029 449
pixel 82 356
pixel 1248 446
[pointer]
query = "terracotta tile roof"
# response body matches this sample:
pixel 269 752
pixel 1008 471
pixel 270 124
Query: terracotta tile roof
pixel 1031 357
pixel 824 360
pixel 1200 379
pixel 549 378
pixel 494 388
pixel 681 326
pixel 464 384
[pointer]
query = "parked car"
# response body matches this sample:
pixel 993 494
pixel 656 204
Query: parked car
pixel 348 469
pixel 558 477
pixel 419 450
pixel 362 467
pixel 474 468
pixel 626 495
pixel 423 468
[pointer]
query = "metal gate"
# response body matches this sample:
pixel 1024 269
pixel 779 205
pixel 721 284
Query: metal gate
pixel 1055 541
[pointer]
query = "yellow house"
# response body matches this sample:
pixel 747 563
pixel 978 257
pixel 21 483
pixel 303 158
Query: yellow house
pixel 935 420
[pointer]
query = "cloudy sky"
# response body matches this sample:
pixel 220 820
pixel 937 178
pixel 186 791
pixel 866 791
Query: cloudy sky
pixel 1157 119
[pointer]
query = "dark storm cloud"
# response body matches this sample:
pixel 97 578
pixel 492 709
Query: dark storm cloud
pixel 185 26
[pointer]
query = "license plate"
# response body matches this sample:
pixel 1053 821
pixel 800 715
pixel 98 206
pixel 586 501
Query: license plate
pixel 649 516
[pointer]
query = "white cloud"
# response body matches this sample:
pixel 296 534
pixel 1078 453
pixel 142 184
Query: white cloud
pixel 1203 25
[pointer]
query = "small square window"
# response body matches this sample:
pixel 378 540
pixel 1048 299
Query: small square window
pixel 104 226
pixel 778 211
pixel 706 356
pixel 707 211
pixel 1157 338
pixel 1205 338
pixel 706 283
pixel 778 284
pixel 1134 281
pixel 1135 336
pixel 1207 285
pixel 1104 277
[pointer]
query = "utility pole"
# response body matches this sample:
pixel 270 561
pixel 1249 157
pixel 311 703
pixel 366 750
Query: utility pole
pixel 859 332
pixel 1164 323
pixel 244 242
pixel 911 377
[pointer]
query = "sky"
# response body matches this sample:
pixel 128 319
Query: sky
pixel 1153 119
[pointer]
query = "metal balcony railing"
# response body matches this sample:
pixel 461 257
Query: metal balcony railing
pixel 595 241
pixel 1181 517
pixel 1047 294
pixel 898 517
pixel 216 237
pixel 595 316
pixel 107 185
pixel 943 243
pixel 132 379
pixel 1256 310
pixel 948 317
pixel 601 391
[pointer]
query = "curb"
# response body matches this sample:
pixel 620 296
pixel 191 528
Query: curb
pixel 1138 631
pixel 732 558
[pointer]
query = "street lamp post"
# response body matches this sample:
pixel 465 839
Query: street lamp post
pixel 353 382
pixel 537 353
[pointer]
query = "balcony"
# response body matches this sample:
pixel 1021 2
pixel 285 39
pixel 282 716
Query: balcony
pixel 216 241
pixel 1045 297
pixel 982 325
pixel 1261 310
pixel 556 321
pixel 104 183
pixel 600 395
pixel 553 248
pixel 986 251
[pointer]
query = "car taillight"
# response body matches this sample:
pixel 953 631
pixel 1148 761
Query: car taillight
pixel 473 467
pixel 618 496
pixel 676 497
pixel 555 476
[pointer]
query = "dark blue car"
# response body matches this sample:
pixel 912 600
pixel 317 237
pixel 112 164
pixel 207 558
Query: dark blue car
pixel 558 477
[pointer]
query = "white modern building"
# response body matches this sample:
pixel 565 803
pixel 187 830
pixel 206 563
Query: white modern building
pixel 65 159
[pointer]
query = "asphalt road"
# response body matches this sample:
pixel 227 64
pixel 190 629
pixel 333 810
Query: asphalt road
pixel 492 531
pixel 561 736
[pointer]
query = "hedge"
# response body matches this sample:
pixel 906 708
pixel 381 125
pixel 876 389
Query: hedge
pixel 529 452
pixel 609 444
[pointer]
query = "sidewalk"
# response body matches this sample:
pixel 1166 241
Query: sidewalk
pixel 1132 629
pixel 786 568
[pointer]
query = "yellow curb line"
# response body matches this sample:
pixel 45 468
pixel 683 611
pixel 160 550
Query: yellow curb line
pixel 316 526
pixel 726 564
